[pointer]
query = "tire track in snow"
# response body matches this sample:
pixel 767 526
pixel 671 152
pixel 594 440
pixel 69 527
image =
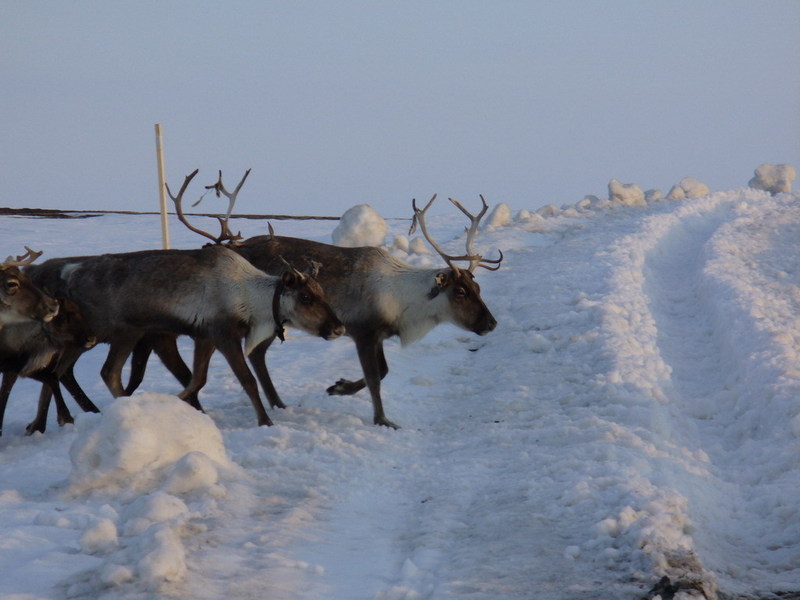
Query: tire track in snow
pixel 709 390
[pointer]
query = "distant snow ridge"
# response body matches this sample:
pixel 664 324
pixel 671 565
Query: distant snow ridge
pixel 159 462
pixel 771 178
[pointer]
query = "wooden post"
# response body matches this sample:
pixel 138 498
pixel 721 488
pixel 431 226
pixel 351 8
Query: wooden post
pixel 162 191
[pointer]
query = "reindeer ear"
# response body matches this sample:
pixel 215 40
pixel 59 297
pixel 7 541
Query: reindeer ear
pixel 442 281
pixel 289 278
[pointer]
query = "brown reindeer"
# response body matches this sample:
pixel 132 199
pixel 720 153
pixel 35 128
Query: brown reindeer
pixel 374 294
pixel 43 351
pixel 211 294
pixel 20 299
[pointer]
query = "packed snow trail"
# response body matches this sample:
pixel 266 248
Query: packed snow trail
pixel 695 294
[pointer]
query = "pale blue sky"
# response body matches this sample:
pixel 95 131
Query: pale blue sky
pixel 340 103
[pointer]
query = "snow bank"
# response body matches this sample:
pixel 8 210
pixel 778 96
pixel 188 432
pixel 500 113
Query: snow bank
pixel 360 226
pixel 158 462
pixel 773 178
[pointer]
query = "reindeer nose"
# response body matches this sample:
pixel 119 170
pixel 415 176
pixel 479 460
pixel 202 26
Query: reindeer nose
pixel 486 324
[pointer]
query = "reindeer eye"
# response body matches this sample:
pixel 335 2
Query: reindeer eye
pixel 460 292
pixel 305 299
pixel 12 286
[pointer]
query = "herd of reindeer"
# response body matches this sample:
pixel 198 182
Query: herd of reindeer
pixel 233 295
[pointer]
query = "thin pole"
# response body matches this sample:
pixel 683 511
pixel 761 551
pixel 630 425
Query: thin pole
pixel 162 194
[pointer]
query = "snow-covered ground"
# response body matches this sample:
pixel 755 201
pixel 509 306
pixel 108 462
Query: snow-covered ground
pixel 635 415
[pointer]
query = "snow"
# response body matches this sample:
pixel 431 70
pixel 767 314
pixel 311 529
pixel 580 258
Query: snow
pixel 635 416
pixel 773 178
pixel 360 226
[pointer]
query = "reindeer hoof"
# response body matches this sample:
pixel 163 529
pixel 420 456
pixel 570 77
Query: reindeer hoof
pixel 384 422
pixel 66 420
pixel 34 427
pixel 277 404
pixel 344 387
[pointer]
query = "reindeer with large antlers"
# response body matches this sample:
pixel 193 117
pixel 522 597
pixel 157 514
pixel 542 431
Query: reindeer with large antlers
pixel 376 296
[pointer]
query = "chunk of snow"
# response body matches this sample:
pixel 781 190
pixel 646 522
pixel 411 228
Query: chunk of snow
pixel 417 246
pixel 158 507
pixel 499 217
pixel 361 225
pixel 693 188
pixel 676 193
pixel 653 195
pixel 100 537
pixel 195 471
pixel 400 243
pixel 773 178
pixel 627 194
pixel 130 445
pixel 548 210
pixel 166 560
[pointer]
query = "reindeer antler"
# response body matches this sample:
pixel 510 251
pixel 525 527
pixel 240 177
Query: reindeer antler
pixel 22 260
pixel 225 233
pixel 475 260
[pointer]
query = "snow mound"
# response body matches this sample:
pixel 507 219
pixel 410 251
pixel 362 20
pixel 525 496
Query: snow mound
pixel 361 225
pixel 627 194
pixel 141 441
pixel 158 461
pixel 773 178
pixel 689 187
pixel 499 217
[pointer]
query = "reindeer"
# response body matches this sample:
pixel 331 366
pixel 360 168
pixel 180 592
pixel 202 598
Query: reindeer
pixel 43 351
pixel 374 294
pixel 20 299
pixel 378 296
pixel 211 294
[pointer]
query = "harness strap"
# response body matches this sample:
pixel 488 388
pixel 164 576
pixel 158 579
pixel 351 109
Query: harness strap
pixel 276 305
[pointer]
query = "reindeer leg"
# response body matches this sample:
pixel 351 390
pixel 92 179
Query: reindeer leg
pixel 344 387
pixel 166 348
pixel 49 388
pixel 111 372
pixel 141 352
pixel 75 389
pixel 203 349
pixel 373 362
pixel 232 351
pixel 64 416
pixel 39 423
pixel 9 379
pixel 258 360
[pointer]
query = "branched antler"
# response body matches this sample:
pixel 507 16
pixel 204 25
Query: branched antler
pixel 225 233
pixel 475 260
pixel 22 260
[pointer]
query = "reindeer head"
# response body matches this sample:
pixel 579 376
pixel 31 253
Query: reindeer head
pixel 20 300
pixel 458 284
pixel 303 304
